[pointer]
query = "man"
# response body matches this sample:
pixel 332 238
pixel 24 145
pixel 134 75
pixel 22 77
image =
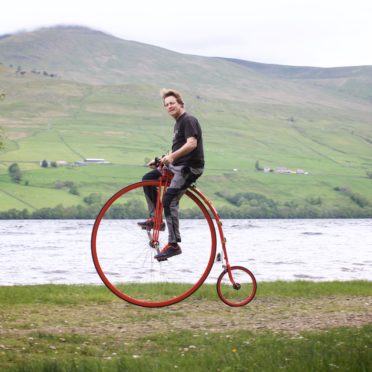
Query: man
pixel 185 161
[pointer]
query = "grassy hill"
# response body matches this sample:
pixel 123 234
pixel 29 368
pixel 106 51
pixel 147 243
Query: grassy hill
pixel 72 93
pixel 355 81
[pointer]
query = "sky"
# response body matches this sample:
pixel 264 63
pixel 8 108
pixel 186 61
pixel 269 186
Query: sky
pixel 321 33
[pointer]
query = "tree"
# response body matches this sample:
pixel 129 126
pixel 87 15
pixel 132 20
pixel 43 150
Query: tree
pixel 15 173
pixel 257 166
pixel 1 137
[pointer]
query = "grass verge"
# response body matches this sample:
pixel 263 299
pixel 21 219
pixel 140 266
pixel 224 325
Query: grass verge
pixel 84 294
pixel 290 326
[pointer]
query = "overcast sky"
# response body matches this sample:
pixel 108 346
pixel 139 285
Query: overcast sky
pixel 324 33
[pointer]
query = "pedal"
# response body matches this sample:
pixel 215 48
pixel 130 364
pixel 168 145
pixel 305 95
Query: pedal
pixel 161 259
pixel 149 228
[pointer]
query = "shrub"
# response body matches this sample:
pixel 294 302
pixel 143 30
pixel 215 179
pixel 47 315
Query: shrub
pixel 314 200
pixel 359 200
pixel 15 173
pixel 74 190
pixel 93 198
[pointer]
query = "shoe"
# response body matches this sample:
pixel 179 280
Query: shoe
pixel 168 251
pixel 149 224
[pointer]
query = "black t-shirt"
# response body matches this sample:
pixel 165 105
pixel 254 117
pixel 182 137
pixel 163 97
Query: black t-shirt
pixel 188 126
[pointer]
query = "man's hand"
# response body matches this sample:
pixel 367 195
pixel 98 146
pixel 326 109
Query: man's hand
pixel 167 159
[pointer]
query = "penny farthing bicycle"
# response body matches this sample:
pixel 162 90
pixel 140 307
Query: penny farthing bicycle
pixel 123 254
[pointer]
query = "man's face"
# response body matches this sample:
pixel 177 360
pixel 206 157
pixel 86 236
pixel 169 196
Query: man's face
pixel 173 108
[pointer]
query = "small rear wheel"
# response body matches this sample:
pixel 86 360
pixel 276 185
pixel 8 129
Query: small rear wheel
pixel 239 293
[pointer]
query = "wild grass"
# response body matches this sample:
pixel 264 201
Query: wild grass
pixel 344 349
pixel 86 328
pixel 79 294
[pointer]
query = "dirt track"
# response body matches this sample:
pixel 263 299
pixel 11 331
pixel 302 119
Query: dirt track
pixel 119 318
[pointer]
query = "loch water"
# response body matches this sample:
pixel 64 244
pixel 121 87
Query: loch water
pixel 58 251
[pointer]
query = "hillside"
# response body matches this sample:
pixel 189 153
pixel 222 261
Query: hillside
pixel 92 57
pixel 354 81
pixel 73 93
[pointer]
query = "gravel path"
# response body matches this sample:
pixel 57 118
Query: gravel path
pixel 119 318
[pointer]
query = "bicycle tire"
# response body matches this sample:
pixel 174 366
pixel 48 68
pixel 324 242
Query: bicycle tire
pixel 245 290
pixel 126 288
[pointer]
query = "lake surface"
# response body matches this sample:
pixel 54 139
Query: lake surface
pixel 58 251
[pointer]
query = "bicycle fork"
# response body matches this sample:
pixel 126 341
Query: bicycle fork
pixel 220 257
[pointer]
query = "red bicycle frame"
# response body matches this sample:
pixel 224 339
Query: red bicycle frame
pixel 161 190
pixel 225 259
pixel 164 182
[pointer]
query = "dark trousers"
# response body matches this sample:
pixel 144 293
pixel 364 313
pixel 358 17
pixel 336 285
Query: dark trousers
pixel 183 177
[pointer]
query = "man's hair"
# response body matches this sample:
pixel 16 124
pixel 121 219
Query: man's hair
pixel 172 93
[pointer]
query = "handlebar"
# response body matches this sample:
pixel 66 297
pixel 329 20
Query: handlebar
pixel 157 161
pixel 162 168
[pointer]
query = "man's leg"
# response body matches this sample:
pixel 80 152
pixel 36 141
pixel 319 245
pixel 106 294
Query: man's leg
pixel 182 179
pixel 171 207
pixel 151 191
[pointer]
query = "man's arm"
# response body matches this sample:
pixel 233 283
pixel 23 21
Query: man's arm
pixel 189 146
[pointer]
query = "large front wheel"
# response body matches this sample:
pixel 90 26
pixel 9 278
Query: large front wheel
pixel 125 261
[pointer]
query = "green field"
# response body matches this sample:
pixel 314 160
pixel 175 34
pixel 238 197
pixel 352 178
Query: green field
pixel 290 326
pixel 320 124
